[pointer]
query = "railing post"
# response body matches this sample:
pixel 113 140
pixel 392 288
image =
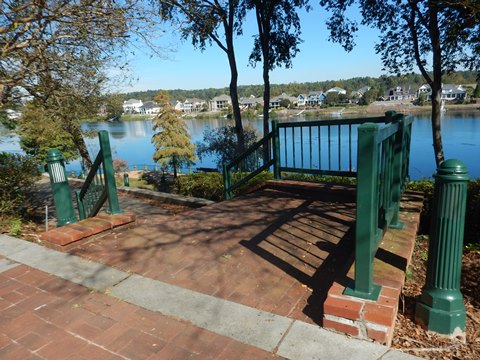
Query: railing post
pixel 397 174
pixel 227 182
pixel 81 206
pixel 62 194
pixel 109 173
pixel 441 308
pixel 367 213
pixel 276 150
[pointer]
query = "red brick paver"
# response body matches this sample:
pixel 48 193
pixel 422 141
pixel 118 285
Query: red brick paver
pixel 44 317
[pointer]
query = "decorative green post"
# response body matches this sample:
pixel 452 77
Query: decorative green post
pixel 366 227
pixel 441 307
pixel 109 173
pixel 397 173
pixel 276 150
pixel 62 195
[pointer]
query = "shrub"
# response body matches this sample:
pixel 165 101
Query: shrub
pixel 210 185
pixel 202 185
pixel 19 173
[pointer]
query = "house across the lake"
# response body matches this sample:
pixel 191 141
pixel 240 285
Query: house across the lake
pixel 132 106
pixel 219 103
pixel 449 92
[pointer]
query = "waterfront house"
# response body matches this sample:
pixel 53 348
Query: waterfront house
pixel 449 92
pixel 132 106
pixel 193 105
pixel 356 95
pixel 250 102
pixel 149 108
pixel 315 98
pixel 219 103
pixel 302 100
pixel 338 90
pixel 398 93
pixel 276 101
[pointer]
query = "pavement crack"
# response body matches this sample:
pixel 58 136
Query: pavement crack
pixel 275 349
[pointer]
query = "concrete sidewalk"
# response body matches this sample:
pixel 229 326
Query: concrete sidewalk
pixel 58 306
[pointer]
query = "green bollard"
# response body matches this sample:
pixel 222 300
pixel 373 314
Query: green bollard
pixel 126 180
pixel 440 307
pixel 62 194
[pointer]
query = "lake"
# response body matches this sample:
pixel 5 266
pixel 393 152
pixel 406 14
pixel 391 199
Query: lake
pixel 131 141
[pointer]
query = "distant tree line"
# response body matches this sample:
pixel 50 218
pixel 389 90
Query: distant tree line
pixel 381 84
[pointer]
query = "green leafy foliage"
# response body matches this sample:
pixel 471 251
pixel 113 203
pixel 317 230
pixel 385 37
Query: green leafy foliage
pixel 41 130
pixel 19 173
pixel 210 185
pixel 202 185
pixel 222 143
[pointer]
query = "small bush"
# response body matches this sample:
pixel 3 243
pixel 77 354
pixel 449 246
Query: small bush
pixel 19 173
pixel 202 185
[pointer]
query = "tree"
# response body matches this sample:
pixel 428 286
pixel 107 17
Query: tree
pixel 370 96
pixel 201 20
pixel 113 105
pixel 221 142
pixel 57 52
pixel 412 30
pixel 172 140
pixel 476 92
pixel 277 41
pixel 45 38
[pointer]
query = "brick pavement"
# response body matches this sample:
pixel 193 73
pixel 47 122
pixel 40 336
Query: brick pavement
pixel 282 255
pixel 45 317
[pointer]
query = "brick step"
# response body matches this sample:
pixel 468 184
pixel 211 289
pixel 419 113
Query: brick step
pixel 66 237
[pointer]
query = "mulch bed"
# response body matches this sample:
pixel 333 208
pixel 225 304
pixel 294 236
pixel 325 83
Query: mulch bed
pixel 414 340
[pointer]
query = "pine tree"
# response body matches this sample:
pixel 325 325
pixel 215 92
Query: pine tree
pixel 171 138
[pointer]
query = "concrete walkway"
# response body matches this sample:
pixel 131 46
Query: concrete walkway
pixel 59 306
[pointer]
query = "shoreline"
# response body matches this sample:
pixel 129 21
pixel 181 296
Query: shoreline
pixel 376 108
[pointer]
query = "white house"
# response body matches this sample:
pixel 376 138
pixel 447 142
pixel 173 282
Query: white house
pixel 193 105
pixel 449 92
pixel 219 103
pixel 150 107
pixel 132 106
pixel 338 90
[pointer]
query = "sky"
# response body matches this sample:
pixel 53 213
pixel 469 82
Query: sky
pixel 318 60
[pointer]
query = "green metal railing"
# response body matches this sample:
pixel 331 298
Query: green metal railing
pixel 380 150
pixel 99 184
pixel 259 157
pixel 381 179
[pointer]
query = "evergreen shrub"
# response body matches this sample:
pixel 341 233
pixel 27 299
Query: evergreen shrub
pixel 18 174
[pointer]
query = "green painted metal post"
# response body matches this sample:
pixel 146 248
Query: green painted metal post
pixel 367 213
pixel 441 307
pixel 276 150
pixel 397 175
pixel 109 173
pixel 62 194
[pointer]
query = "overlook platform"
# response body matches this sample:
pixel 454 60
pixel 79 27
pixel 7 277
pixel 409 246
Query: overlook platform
pixel 286 249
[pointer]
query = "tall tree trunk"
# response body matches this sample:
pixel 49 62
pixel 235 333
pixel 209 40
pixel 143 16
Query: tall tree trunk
pixel 436 85
pixel 77 136
pixel 237 116
pixel 266 97
pixel 436 124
